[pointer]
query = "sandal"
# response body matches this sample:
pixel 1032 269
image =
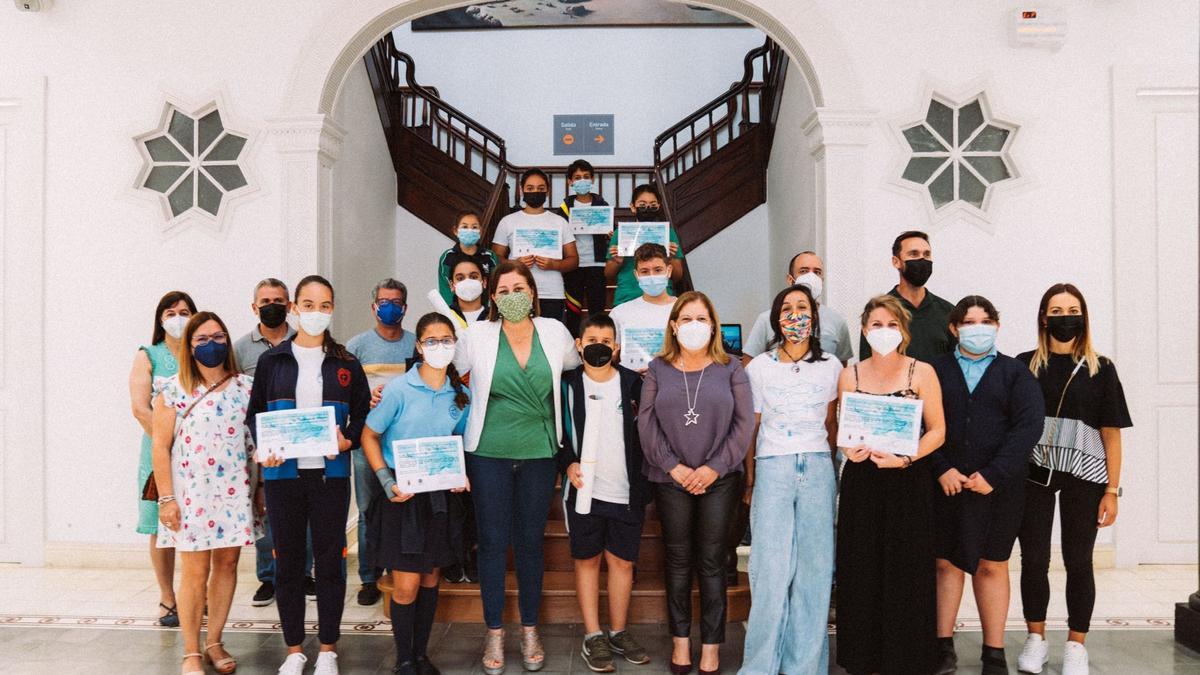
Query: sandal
pixel 224 666
pixel 533 656
pixel 171 618
pixel 194 655
pixel 493 652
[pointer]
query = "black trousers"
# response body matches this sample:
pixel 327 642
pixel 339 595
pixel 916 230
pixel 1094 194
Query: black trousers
pixel 552 309
pixel 294 505
pixel 1079 504
pixel 695 532
pixel 589 288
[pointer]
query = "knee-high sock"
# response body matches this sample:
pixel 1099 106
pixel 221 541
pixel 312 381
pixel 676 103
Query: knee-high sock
pixel 427 599
pixel 402 629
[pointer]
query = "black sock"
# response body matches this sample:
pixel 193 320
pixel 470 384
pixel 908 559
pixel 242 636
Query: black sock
pixel 427 599
pixel 402 629
pixel 946 643
pixel 992 654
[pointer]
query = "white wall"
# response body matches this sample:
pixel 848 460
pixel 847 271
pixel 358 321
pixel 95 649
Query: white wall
pixel 791 185
pixel 418 247
pixel 736 287
pixel 514 81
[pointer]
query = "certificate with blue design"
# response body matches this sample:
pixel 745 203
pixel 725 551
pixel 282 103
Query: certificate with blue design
pixel 639 345
pixel 591 219
pixel 884 423
pixel 540 241
pixel 632 235
pixel 290 434
pixel 429 464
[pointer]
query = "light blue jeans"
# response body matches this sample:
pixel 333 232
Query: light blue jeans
pixel 366 486
pixel 791 565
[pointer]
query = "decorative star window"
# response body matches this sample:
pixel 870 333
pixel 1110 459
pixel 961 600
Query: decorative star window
pixel 958 152
pixel 191 161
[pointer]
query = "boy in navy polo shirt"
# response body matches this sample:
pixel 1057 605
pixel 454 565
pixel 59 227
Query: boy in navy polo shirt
pixel 605 495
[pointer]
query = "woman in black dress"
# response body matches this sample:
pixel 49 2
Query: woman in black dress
pixel 886 581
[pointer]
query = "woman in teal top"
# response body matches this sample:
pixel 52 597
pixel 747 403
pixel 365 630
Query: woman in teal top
pixel 516 361
pixel 152 367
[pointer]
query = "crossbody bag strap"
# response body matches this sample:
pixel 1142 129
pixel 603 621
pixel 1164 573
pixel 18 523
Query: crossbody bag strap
pixel 205 394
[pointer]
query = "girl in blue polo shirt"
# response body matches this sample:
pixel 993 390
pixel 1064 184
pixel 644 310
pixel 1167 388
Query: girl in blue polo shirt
pixel 416 535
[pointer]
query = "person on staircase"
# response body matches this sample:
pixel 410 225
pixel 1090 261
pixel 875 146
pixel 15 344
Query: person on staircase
pixel 515 361
pixel 415 535
pixel 468 230
pixel 585 285
pixel 510 242
pixel 652 310
pixel 994 416
pixel 468 283
pixel 694 446
pixel 311 493
pixel 619 270
pixel 605 494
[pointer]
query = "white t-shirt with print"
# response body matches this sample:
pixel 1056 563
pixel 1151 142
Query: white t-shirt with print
pixel 309 392
pixel 605 430
pixel 793 399
pixel 549 282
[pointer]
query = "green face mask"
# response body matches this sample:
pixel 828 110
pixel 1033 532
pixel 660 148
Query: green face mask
pixel 514 307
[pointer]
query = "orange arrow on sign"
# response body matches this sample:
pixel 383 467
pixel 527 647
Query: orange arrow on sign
pixel 599 138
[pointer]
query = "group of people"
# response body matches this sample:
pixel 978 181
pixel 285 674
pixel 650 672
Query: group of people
pixel 542 398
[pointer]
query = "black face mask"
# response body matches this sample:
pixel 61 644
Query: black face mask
pixel 597 355
pixel 272 315
pixel 534 199
pixel 917 271
pixel 648 214
pixel 1066 327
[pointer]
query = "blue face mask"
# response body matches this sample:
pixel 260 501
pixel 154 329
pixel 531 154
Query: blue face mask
pixel 390 314
pixel 977 338
pixel 211 354
pixel 653 286
pixel 468 237
pixel 581 187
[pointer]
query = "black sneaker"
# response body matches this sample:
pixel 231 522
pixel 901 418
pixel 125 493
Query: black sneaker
pixel 369 594
pixel 947 657
pixel 264 596
pixel 623 643
pixel 425 667
pixel 994 662
pixel 454 574
pixel 597 654
pixel 310 588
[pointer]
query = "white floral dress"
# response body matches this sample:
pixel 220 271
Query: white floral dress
pixel 210 468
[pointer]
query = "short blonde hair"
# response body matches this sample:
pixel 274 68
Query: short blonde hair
pixel 893 307
pixel 716 348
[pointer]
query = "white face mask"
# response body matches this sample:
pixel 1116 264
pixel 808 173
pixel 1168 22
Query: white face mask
pixel 884 341
pixel 315 323
pixel 468 290
pixel 174 325
pixel 439 356
pixel 694 335
pixel 814 283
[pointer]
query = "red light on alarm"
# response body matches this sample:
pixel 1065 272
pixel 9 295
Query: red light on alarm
pixel 1029 15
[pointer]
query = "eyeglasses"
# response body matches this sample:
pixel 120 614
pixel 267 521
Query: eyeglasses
pixel 201 340
pixel 383 302
pixel 431 343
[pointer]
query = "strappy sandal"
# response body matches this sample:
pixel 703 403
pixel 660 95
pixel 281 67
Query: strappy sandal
pixel 533 656
pixel 197 655
pixel 224 666
pixel 171 618
pixel 493 652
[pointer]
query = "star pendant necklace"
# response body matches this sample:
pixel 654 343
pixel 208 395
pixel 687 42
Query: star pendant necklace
pixel 691 416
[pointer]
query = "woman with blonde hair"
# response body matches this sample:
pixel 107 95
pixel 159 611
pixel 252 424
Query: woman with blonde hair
pixel 696 422
pixel 1077 460
pixel 207 482
pixel 885 537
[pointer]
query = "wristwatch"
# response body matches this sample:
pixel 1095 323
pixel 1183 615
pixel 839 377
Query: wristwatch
pixel 1110 490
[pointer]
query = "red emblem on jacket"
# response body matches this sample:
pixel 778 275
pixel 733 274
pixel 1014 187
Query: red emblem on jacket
pixel 343 377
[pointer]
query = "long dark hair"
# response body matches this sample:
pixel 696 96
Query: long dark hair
pixel 502 269
pixel 166 302
pixel 814 339
pixel 331 346
pixel 461 399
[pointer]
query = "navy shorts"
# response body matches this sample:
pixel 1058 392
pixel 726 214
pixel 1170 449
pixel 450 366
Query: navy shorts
pixel 615 528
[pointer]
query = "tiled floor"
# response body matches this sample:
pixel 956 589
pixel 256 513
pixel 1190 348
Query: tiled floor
pixel 100 621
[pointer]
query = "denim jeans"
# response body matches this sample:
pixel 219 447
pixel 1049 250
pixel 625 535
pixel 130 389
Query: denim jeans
pixel 264 558
pixel 791 564
pixel 512 500
pixel 366 487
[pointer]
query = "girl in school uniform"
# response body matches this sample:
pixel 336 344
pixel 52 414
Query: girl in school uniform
pixel 414 535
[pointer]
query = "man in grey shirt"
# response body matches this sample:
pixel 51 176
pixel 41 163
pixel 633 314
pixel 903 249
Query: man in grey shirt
pixel 806 268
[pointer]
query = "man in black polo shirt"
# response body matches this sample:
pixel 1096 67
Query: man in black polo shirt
pixel 929 321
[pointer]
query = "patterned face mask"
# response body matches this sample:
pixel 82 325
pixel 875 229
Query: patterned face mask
pixel 796 327
pixel 515 306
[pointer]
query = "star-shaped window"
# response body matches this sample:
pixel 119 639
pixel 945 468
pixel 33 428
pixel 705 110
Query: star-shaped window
pixel 958 153
pixel 193 162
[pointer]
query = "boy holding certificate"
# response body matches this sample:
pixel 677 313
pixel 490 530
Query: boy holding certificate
pixel 605 495
pixel 414 535
pixel 585 286
pixel 641 319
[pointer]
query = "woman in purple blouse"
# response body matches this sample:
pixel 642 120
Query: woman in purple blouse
pixel 696 421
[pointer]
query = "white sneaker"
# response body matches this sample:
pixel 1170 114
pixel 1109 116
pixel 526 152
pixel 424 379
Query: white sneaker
pixel 293 664
pixel 326 664
pixel 1075 659
pixel 1034 654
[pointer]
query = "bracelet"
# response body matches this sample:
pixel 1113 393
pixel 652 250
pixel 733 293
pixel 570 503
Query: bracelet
pixel 165 499
pixel 387 480
pixel 907 461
